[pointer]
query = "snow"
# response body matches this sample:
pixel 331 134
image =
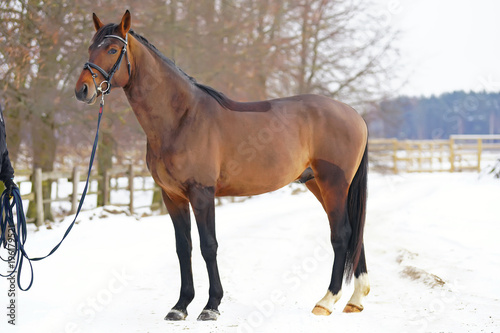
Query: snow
pixel 431 244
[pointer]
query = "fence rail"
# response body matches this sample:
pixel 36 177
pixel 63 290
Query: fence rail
pixel 117 180
pixel 458 153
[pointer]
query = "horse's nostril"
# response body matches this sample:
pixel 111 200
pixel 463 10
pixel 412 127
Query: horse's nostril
pixel 82 94
pixel 85 90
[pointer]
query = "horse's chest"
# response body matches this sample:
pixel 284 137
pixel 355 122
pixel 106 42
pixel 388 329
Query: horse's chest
pixel 167 172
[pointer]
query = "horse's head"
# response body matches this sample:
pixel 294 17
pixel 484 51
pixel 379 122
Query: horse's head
pixel 103 70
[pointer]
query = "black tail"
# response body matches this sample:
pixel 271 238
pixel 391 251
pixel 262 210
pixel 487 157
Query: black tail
pixel 356 210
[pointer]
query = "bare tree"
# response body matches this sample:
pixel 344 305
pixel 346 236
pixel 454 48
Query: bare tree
pixel 339 49
pixel 36 72
pixel 248 49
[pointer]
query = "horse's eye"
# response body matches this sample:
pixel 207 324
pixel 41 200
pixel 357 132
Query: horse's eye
pixel 112 51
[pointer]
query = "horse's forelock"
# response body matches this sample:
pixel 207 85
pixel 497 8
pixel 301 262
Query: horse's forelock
pixel 101 33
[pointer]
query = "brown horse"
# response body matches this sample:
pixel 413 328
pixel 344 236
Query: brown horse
pixel 201 144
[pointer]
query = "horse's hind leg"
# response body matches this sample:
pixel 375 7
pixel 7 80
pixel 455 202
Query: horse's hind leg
pixel 361 285
pixel 331 188
pixel 312 185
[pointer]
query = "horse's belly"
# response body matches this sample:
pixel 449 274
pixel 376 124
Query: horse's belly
pixel 244 189
pixel 240 179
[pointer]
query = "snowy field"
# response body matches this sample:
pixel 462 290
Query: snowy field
pixel 432 246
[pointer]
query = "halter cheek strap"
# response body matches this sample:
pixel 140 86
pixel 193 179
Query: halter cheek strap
pixel 108 76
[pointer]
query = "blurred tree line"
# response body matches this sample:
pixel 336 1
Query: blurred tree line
pixel 248 49
pixel 437 117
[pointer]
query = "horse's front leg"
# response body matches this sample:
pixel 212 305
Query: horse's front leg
pixel 179 213
pixel 202 202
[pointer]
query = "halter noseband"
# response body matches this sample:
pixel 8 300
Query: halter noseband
pixel 108 76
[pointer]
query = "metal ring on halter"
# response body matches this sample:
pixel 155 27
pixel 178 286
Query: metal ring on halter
pixel 103 91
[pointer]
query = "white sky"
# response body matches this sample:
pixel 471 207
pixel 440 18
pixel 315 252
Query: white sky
pixel 447 45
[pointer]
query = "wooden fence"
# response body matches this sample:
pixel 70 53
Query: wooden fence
pixel 458 153
pixel 124 179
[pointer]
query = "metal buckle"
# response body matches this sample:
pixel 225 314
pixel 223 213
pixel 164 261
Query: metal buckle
pixel 104 91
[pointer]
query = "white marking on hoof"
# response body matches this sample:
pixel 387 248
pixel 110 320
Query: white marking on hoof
pixel 351 308
pixel 321 311
pixel 326 303
pixel 361 289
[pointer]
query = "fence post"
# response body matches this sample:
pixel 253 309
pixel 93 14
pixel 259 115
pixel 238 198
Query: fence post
pixel 395 155
pixel 452 154
pixel 163 208
pixel 74 197
pixel 131 187
pixel 420 156
pixel 37 181
pixel 479 152
pixel 431 148
pixel 106 189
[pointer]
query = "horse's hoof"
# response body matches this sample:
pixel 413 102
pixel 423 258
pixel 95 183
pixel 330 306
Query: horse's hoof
pixel 321 311
pixel 176 315
pixel 351 308
pixel 207 315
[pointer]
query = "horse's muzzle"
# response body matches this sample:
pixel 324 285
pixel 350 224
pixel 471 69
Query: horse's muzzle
pixel 82 95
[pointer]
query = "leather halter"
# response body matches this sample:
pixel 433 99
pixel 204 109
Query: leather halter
pixel 108 76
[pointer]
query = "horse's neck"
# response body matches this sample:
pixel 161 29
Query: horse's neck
pixel 158 94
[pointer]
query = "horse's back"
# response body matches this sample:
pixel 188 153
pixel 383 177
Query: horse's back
pixel 263 151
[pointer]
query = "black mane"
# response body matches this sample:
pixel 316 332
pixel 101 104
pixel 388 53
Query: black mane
pixel 217 95
pixel 153 48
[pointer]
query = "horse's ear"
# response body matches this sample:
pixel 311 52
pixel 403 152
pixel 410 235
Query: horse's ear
pixel 125 25
pixel 97 23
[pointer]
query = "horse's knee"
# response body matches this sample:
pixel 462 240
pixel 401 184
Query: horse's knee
pixel 209 250
pixel 183 245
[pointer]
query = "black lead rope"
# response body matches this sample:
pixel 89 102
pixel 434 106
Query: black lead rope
pixel 17 250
